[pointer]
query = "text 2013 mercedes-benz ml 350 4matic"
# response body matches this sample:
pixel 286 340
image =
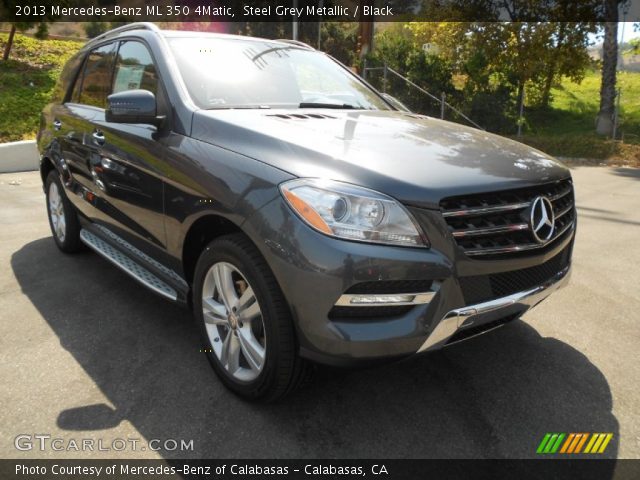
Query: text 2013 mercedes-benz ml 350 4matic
pixel 302 216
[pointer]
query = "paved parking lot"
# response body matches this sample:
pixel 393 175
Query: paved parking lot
pixel 85 352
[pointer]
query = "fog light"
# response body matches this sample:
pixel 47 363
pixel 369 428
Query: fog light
pixel 374 299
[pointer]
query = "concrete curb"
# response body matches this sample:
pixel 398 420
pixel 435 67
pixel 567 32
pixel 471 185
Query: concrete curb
pixel 20 156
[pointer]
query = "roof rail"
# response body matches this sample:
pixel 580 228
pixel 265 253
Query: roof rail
pixel 130 26
pixel 295 42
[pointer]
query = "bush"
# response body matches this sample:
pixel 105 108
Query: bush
pixel 495 110
pixel 93 29
pixel 27 81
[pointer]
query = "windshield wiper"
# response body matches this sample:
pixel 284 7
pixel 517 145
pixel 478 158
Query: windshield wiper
pixel 240 107
pixel 345 106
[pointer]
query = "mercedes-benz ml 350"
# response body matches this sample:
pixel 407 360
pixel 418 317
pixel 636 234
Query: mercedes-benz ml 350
pixel 302 216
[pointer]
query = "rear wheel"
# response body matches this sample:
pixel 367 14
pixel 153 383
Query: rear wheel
pixel 245 322
pixel 63 218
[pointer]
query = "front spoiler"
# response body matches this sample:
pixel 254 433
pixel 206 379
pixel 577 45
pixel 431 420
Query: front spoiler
pixel 490 311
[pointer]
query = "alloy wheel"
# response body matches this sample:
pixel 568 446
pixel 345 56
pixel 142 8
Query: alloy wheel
pixel 233 321
pixel 56 212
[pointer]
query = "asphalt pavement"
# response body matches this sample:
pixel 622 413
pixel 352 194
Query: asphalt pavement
pixel 87 353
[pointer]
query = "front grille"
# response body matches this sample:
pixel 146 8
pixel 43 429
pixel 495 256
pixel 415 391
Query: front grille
pixel 480 288
pixel 490 225
pixel 363 313
pixel 390 287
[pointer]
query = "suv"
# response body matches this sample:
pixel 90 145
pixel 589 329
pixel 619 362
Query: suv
pixel 302 216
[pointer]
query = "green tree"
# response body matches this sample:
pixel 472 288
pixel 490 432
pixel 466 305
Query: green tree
pixel 396 48
pixel 338 39
pixel 497 62
pixel 604 122
pixel 93 29
pixel 8 9
pixel 41 33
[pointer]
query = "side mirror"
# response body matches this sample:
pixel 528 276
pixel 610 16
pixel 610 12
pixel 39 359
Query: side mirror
pixel 132 106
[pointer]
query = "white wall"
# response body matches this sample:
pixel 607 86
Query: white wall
pixel 19 156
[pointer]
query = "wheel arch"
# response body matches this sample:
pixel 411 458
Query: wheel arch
pixel 46 166
pixel 202 232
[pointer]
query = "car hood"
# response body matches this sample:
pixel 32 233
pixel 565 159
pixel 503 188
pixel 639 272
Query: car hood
pixel 416 159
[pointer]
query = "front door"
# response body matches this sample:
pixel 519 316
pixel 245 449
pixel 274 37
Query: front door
pixel 125 161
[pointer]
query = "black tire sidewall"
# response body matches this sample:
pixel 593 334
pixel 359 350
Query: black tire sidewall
pixel 227 250
pixel 71 241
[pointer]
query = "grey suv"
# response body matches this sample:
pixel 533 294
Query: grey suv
pixel 302 216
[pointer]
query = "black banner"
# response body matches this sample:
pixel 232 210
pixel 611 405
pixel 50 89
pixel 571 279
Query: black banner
pixel 543 469
pixel 316 10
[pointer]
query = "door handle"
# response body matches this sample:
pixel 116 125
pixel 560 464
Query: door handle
pixel 98 136
pixel 57 124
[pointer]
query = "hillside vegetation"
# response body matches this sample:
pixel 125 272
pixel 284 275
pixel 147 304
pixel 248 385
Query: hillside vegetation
pixel 26 82
pixel 568 127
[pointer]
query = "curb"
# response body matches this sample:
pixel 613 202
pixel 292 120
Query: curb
pixel 20 156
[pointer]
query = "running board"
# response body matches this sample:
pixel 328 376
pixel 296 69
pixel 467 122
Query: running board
pixel 127 264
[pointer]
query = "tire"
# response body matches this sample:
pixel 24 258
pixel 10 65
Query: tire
pixel 232 264
pixel 62 215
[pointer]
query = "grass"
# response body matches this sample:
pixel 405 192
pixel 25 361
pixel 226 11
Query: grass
pixel 567 129
pixel 27 81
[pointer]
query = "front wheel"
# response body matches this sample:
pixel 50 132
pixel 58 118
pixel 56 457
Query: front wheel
pixel 245 322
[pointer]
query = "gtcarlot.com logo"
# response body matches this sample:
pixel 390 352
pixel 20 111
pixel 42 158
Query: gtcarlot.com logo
pixel 44 442
pixel 574 443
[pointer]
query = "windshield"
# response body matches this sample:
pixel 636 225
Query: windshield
pixel 236 73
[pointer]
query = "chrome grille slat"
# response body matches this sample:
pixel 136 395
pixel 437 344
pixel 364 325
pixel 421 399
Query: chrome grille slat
pixel 564 211
pixel 488 231
pixel 496 223
pixel 560 195
pixel 483 210
pixel 516 248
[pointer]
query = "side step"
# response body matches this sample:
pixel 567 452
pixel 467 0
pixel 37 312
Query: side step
pixel 127 264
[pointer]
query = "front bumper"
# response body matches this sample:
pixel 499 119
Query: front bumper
pixel 315 272
pixel 467 322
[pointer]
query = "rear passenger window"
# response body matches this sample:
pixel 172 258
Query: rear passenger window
pixel 135 69
pixel 96 81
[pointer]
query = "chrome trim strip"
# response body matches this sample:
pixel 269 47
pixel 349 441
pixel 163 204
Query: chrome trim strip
pixel 563 212
pixel 517 248
pixel 558 196
pixel 499 208
pixel 483 210
pixel 420 298
pixel 453 321
pixel 473 232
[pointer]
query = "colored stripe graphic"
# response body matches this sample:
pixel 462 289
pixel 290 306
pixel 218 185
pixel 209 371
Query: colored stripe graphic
pixel 567 442
pixel 606 441
pixel 550 443
pixel 584 439
pixel 592 440
pixel 555 447
pixel 572 443
pixel 543 443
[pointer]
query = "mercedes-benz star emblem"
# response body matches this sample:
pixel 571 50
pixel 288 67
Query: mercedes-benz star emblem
pixel 542 219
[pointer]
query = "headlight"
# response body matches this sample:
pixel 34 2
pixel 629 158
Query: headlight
pixel 354 213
